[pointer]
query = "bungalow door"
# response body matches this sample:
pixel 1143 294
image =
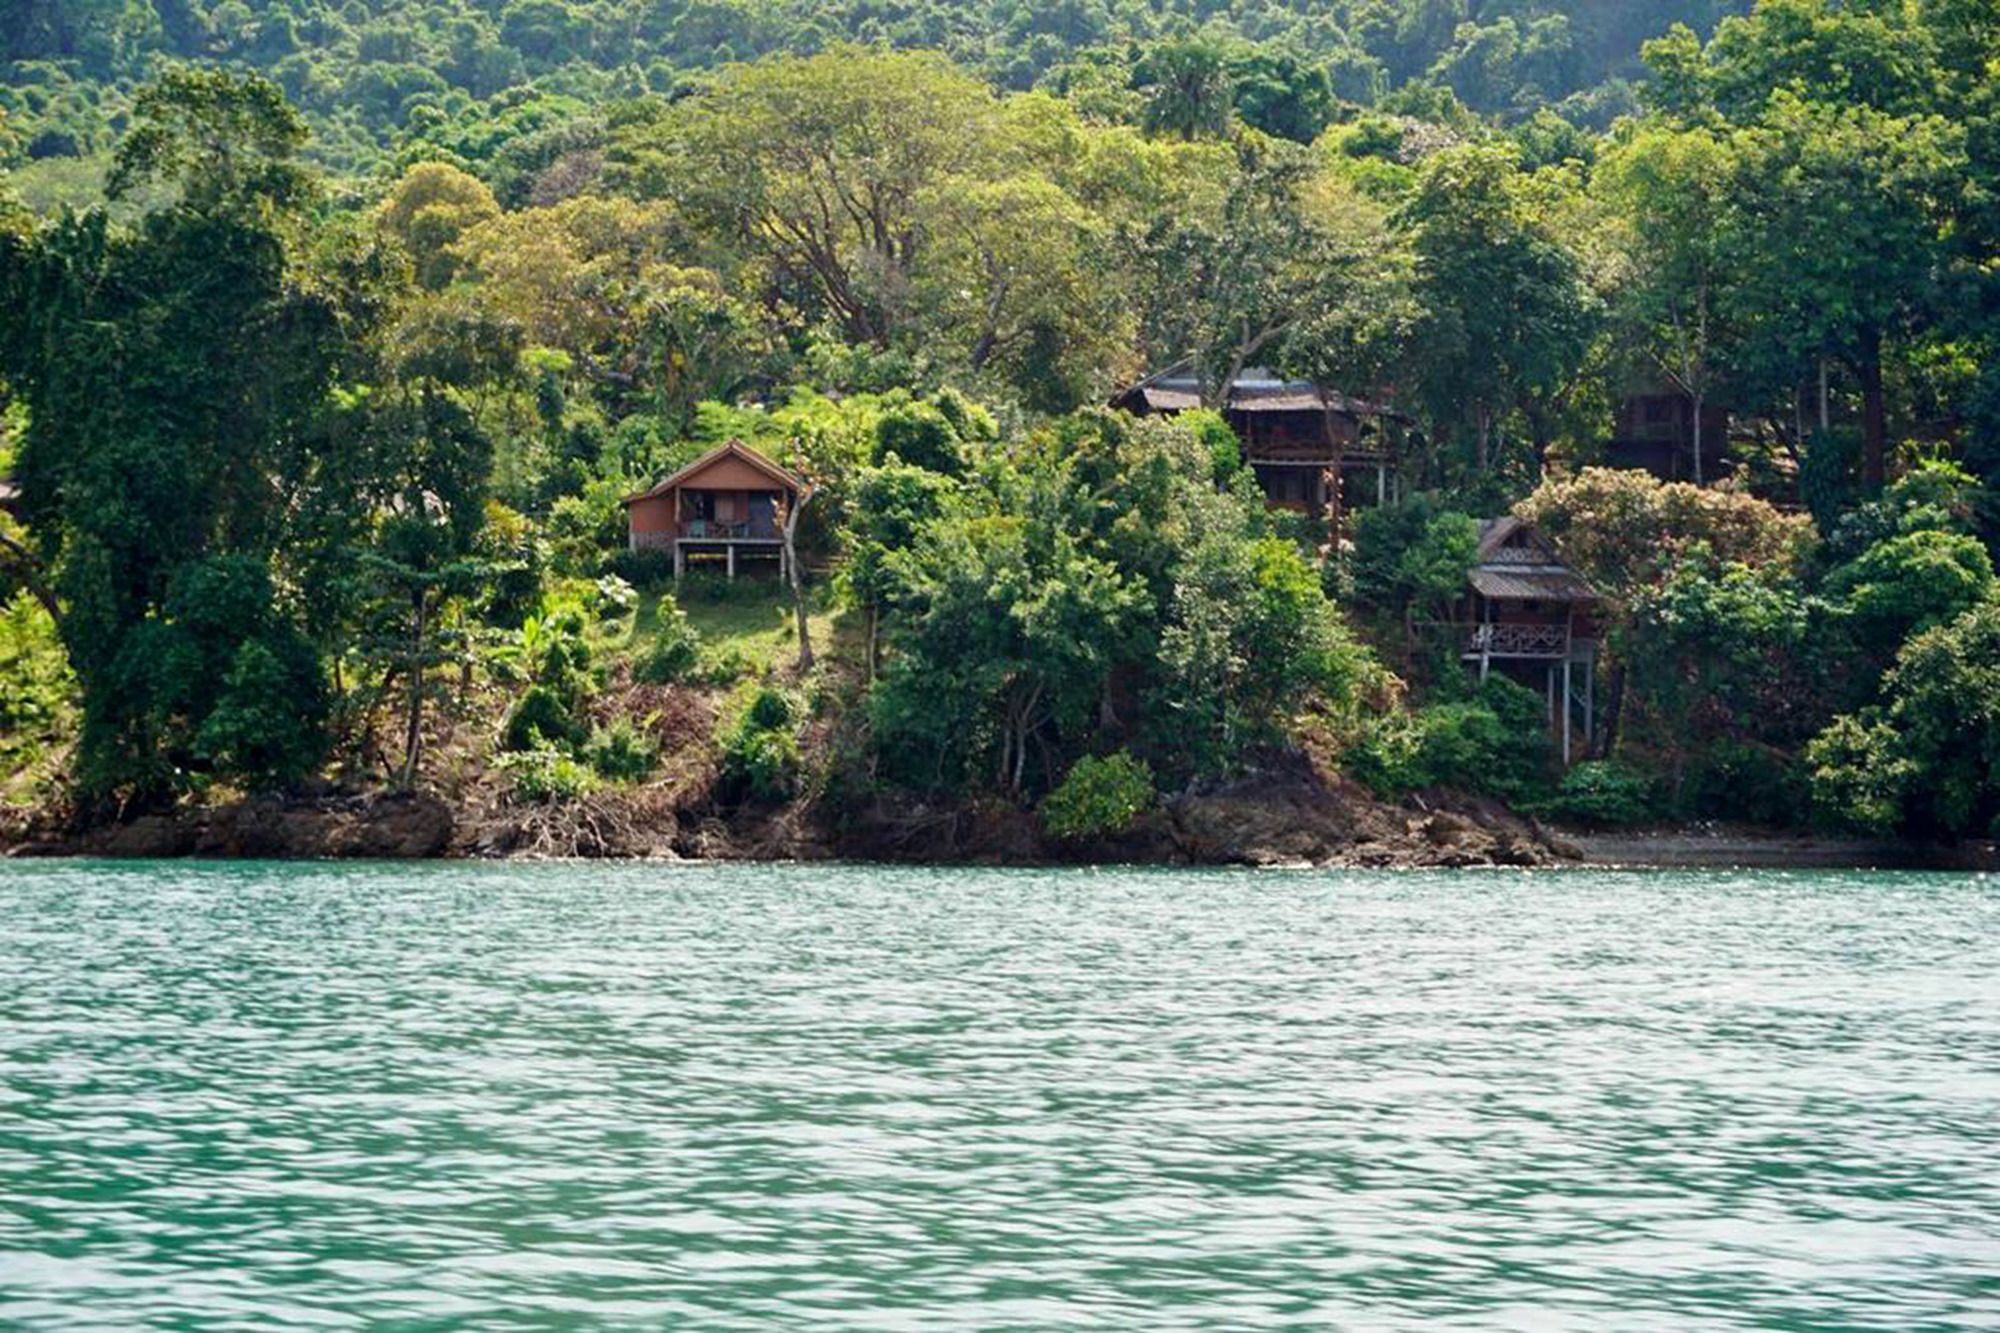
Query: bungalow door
pixel 763 507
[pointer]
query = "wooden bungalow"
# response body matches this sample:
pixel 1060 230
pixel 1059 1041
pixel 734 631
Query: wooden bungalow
pixel 1313 450
pixel 1653 431
pixel 1533 618
pixel 728 505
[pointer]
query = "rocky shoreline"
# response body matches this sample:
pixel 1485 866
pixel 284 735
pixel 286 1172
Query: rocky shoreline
pixel 1292 818
pixel 1274 819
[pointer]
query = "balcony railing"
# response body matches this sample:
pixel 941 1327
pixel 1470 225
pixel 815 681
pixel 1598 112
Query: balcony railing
pixel 1519 641
pixel 707 530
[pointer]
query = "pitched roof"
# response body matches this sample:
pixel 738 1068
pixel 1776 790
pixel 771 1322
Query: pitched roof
pixel 1255 389
pixel 1550 585
pixel 1517 563
pixel 1514 541
pixel 733 447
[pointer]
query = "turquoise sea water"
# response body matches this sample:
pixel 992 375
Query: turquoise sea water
pixel 748 1097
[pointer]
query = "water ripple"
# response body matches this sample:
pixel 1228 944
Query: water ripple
pixel 740 1097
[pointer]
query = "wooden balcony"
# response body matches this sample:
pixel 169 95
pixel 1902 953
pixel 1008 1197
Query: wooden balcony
pixel 1541 642
pixel 709 531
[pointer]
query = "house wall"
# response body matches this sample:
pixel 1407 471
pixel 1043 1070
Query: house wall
pixel 730 474
pixel 1278 434
pixel 653 515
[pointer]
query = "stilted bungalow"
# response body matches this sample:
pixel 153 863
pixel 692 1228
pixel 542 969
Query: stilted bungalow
pixel 727 506
pixel 1314 451
pixel 1654 431
pixel 1533 618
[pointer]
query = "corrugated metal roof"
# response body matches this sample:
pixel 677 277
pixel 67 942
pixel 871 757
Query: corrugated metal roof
pixel 1255 390
pixel 1160 399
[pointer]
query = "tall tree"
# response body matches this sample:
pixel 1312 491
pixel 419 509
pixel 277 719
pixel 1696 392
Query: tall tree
pixel 173 375
pixel 1502 311
pixel 1671 191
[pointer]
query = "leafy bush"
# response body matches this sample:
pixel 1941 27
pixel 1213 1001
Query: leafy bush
pixel 36 687
pixel 621 752
pixel 1099 796
pixel 650 567
pixel 544 775
pixel 675 648
pixel 1495 744
pixel 268 724
pixel 762 764
pixel 1604 791
pixel 723 666
pixel 613 596
pixel 1754 782
pixel 540 718
pixel 772 710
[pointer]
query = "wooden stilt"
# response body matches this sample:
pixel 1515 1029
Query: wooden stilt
pixel 680 562
pixel 729 556
pixel 1566 685
pixel 1590 700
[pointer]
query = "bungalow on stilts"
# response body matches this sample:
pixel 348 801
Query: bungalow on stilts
pixel 1531 617
pixel 726 506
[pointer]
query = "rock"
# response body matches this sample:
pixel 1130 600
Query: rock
pixel 150 836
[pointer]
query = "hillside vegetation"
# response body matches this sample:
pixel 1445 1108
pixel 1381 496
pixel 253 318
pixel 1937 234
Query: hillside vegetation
pixel 319 471
pixel 374 77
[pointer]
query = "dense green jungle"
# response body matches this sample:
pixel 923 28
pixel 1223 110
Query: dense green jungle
pixel 335 338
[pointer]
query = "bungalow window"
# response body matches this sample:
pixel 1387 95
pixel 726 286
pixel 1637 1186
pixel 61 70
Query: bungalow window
pixel 701 504
pixel 1659 411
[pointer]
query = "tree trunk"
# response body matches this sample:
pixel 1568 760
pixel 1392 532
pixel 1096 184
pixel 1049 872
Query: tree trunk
pixel 1874 414
pixel 791 529
pixel 413 733
pixel 1697 439
pixel 31 576
pixel 1614 710
pixel 1331 476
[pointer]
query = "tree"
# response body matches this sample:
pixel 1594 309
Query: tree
pixel 1928 761
pixel 815 167
pixel 1502 313
pixel 430 209
pixel 1190 92
pixel 1295 265
pixel 1630 534
pixel 422 474
pixel 174 375
pixel 892 503
pixel 1839 244
pixel 1671 189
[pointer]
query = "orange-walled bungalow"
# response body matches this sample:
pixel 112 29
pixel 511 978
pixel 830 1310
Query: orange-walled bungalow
pixel 729 504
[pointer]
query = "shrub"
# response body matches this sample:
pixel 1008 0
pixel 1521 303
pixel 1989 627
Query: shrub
pixel 650 567
pixel 763 764
pixel 36 688
pixel 675 648
pixel 1099 796
pixel 540 718
pixel 612 596
pixel 1495 744
pixel 1604 791
pixel 621 752
pixel 269 724
pixel 543 775
pixel 771 710
pixel 1738 780
pixel 724 666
